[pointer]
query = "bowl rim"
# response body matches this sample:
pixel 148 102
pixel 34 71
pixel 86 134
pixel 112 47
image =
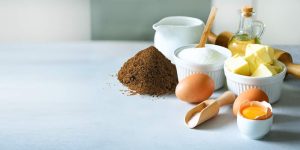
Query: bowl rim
pixel 195 22
pixel 224 51
pixel 251 120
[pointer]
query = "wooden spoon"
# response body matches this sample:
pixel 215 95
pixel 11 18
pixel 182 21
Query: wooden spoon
pixel 207 27
pixel 207 109
pixel 286 58
pixel 223 39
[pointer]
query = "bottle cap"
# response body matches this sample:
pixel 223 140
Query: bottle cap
pixel 247 10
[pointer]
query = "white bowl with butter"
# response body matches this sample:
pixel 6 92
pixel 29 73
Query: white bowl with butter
pixel 190 60
pixel 257 69
pixel 271 85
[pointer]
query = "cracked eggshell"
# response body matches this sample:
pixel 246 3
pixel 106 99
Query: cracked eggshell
pixel 253 94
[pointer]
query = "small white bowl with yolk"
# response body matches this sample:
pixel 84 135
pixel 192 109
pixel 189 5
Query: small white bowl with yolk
pixel 247 123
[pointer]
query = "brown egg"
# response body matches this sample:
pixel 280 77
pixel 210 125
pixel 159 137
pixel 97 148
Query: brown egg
pixel 253 94
pixel 195 88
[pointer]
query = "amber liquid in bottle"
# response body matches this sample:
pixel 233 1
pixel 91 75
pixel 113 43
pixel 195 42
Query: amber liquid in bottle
pixel 244 36
pixel 238 44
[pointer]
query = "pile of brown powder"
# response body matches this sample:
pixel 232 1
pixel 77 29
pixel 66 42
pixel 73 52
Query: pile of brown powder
pixel 149 72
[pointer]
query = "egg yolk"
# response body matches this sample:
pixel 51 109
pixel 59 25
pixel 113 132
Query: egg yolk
pixel 252 112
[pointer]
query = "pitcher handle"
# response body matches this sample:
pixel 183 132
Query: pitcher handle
pixel 155 26
pixel 258 28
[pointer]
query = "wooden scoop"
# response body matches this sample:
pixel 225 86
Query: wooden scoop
pixel 207 27
pixel 207 109
pixel 223 39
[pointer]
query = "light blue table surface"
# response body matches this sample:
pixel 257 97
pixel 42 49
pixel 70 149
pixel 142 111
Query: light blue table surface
pixel 65 96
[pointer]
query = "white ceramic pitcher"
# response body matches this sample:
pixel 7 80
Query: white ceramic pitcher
pixel 176 31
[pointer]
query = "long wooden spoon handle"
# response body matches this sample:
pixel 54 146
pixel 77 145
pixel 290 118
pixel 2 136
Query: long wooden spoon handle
pixel 293 69
pixel 226 98
pixel 207 27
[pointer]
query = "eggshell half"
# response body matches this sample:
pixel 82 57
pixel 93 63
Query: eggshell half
pixel 253 94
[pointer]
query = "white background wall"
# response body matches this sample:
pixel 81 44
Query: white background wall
pixel 227 18
pixel 282 18
pixel 133 19
pixel 44 20
pixel 65 20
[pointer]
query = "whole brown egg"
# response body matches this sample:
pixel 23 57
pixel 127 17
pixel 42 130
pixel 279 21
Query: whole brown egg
pixel 195 88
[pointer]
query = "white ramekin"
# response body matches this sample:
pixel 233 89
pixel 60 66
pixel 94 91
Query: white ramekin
pixel 271 85
pixel 254 129
pixel 215 71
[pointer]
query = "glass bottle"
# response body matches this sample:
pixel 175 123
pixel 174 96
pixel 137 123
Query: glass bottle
pixel 249 32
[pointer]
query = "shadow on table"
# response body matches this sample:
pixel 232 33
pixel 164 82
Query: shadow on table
pixel 292 82
pixel 290 94
pixel 282 121
pixel 218 122
pixel 283 118
pixel 282 136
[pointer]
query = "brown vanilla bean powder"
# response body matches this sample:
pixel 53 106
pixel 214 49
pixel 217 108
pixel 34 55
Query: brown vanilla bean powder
pixel 149 72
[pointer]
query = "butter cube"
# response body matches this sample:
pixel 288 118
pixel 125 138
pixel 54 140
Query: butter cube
pixel 252 63
pixel 271 52
pixel 264 70
pixel 238 65
pixel 276 66
pixel 257 54
pixel 253 48
pixel 236 56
